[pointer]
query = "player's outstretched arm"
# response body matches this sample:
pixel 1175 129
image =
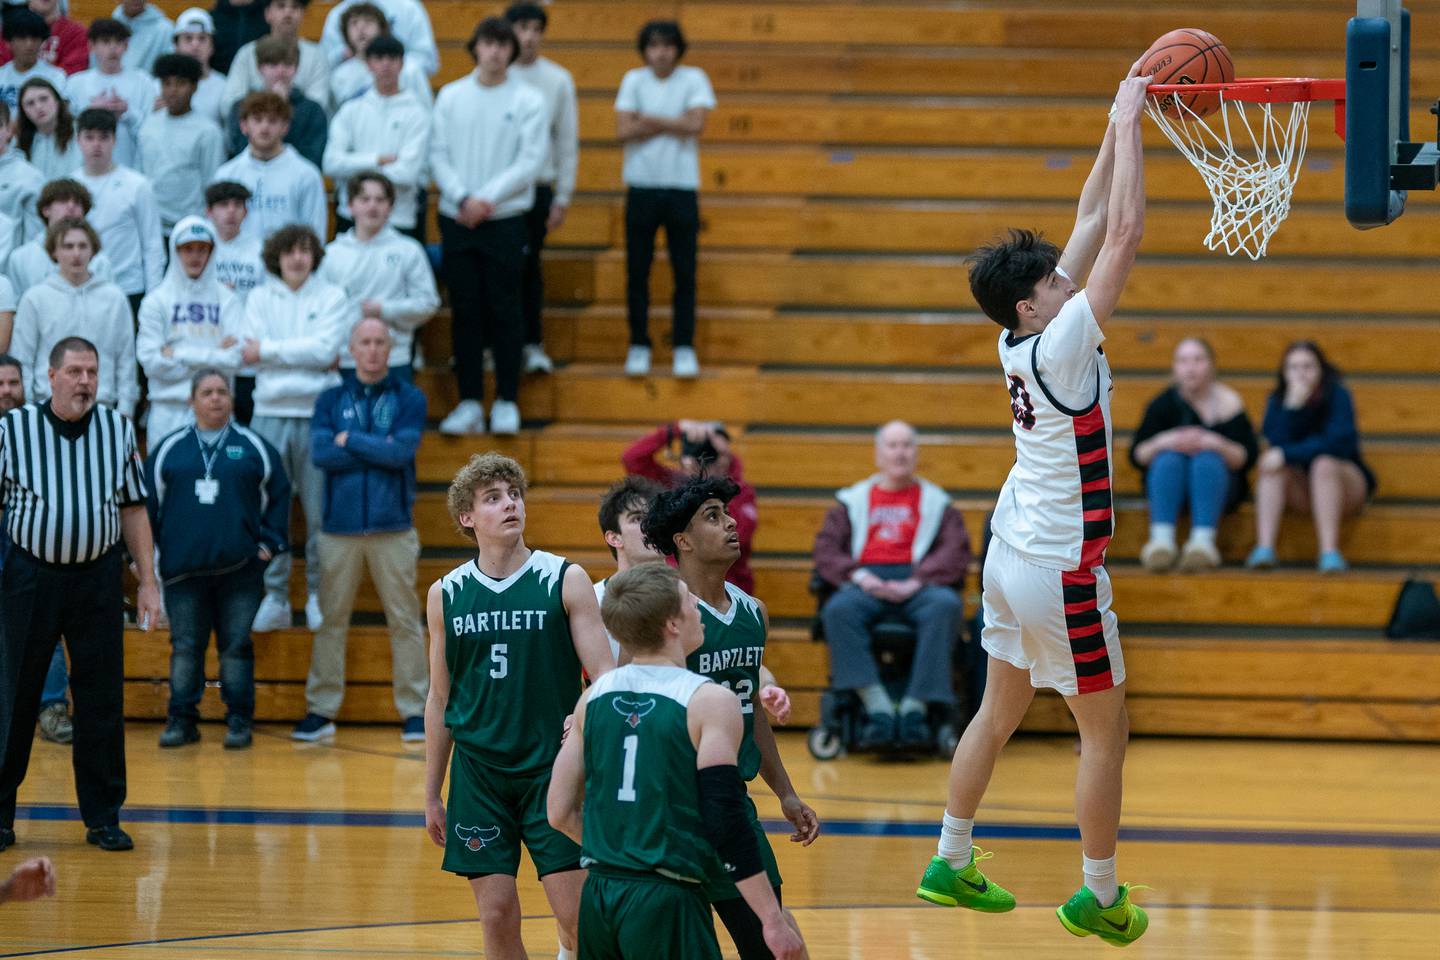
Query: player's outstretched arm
pixel 1126 217
pixel 586 627
pixel 566 799
pixel 716 728
pixel 1092 215
pixel 437 735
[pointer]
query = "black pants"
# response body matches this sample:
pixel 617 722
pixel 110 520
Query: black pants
pixel 745 927
pixel 533 292
pixel 483 268
pixel 647 210
pixel 84 603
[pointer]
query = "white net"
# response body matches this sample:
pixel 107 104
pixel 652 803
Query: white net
pixel 1249 155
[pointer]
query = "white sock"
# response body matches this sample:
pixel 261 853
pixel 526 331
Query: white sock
pixel 1163 532
pixel 911 705
pixel 562 954
pixel 876 700
pixel 955 844
pixel 1202 535
pixel 1100 878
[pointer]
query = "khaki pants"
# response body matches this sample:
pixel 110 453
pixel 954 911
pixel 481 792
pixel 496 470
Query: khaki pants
pixel 391 558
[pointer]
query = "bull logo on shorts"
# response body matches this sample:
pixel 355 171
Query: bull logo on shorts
pixel 475 838
pixel 633 710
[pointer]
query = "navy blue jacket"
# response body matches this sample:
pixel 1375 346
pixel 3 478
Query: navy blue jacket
pixel 251 510
pixel 369 482
pixel 1325 426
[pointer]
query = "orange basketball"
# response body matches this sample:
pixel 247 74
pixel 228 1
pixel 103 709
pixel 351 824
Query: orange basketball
pixel 1189 56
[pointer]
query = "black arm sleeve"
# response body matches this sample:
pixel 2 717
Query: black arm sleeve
pixel 727 828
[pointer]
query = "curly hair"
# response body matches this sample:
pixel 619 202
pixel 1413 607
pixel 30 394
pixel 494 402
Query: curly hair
pixel 672 510
pixel 482 470
pixel 290 237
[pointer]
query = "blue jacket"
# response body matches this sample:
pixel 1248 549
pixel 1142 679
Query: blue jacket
pixel 369 482
pixel 1323 427
pixel 251 508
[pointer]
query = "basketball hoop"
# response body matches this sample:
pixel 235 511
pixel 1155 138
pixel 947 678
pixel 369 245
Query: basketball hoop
pixel 1248 151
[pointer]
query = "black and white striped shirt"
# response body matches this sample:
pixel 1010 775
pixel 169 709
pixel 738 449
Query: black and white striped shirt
pixel 62 484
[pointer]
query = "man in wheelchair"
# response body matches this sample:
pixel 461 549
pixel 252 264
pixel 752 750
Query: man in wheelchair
pixel 895 552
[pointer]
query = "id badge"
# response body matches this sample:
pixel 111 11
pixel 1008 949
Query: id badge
pixel 207 490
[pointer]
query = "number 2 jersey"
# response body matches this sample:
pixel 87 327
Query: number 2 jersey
pixel 514 673
pixel 1055 508
pixel 731 654
pixel 642 795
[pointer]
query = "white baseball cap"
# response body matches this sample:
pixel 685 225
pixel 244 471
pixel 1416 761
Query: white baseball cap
pixel 195 20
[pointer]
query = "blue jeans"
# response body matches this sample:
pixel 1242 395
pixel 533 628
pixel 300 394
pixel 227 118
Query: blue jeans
pixel 226 604
pixel 1176 480
pixel 933 611
pixel 57 681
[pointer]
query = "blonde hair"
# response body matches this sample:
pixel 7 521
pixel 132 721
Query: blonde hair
pixel 482 470
pixel 638 603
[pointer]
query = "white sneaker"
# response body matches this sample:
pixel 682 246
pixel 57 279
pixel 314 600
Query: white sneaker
pixel 537 360
pixel 468 417
pixel 1199 555
pixel 504 418
pixel 685 366
pixel 1158 555
pixel 314 619
pixel 637 362
pixel 274 614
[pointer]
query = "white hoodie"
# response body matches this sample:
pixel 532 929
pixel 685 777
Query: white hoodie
pixel 95 310
pixel 489 143
pixel 301 333
pixel 20 185
pixel 393 269
pixel 137 88
pixel 124 213
pixel 372 125
pixel 191 317
pixel 30 265
pixel 285 189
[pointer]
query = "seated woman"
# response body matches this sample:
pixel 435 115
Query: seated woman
pixel 1313 464
pixel 1194 446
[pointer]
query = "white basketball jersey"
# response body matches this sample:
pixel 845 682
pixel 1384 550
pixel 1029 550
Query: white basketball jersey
pixel 1055 507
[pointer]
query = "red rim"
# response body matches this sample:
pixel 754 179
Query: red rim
pixel 1260 89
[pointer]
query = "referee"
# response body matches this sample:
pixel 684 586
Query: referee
pixel 71 486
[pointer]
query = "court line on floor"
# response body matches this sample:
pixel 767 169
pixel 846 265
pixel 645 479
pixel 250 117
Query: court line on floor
pixel 812 908
pixel 226 816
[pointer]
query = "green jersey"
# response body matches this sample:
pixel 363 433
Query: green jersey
pixel 642 795
pixel 731 654
pixel 514 673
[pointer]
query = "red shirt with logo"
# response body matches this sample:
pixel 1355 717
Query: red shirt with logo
pixel 893 519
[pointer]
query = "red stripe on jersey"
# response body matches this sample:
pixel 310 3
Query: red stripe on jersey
pixel 1090 657
pixel 1102 484
pixel 1080 633
pixel 1094 455
pixel 1077 578
pixel 1084 606
pixel 1102 514
pixel 1090 421
pixel 1095 684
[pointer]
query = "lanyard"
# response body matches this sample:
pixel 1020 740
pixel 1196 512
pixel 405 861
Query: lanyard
pixel 209 462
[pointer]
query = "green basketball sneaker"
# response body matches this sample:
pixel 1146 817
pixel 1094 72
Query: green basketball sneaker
pixel 1121 923
pixel 964 888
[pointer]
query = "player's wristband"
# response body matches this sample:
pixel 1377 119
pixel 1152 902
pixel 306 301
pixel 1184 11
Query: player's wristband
pixel 727 827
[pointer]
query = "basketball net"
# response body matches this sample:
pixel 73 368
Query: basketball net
pixel 1249 155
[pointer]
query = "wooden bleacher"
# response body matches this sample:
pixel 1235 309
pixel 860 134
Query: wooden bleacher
pixel 859 151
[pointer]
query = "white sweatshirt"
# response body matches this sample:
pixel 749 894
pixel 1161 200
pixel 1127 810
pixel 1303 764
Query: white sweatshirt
pixel 9 232
pixel 558 87
pixel 301 333
pixel 180 156
pixel 8 299
pixel 209 97
pixel 137 89
pixel 488 143
pixel 285 189
pixel 190 317
pixel 393 269
pixel 54 164
pixel 123 212
pixel 669 160
pixel 352 79
pixel 238 265
pixel 373 125
pixel 409 22
pixel 95 310
pixel 312 76
pixel 152 34
pixel 20 185
pixel 12 77
pixel 30 265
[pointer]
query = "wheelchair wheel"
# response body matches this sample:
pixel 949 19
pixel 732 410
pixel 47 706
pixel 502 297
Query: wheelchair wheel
pixel 824 743
pixel 947 738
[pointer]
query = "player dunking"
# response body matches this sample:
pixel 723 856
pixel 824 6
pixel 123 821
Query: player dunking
pixel 1046 593
pixel 509 632
pixel 652 759
pixel 691 524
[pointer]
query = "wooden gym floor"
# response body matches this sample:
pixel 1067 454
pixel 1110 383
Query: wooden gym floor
pixel 1252 849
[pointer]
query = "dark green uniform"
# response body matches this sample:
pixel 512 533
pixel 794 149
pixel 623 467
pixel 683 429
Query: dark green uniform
pixel 514 677
pixel 644 844
pixel 731 655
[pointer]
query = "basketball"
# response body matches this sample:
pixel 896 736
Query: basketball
pixel 1189 56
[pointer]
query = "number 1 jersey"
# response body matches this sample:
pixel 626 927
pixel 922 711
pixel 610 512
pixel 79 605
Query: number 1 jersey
pixel 514 673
